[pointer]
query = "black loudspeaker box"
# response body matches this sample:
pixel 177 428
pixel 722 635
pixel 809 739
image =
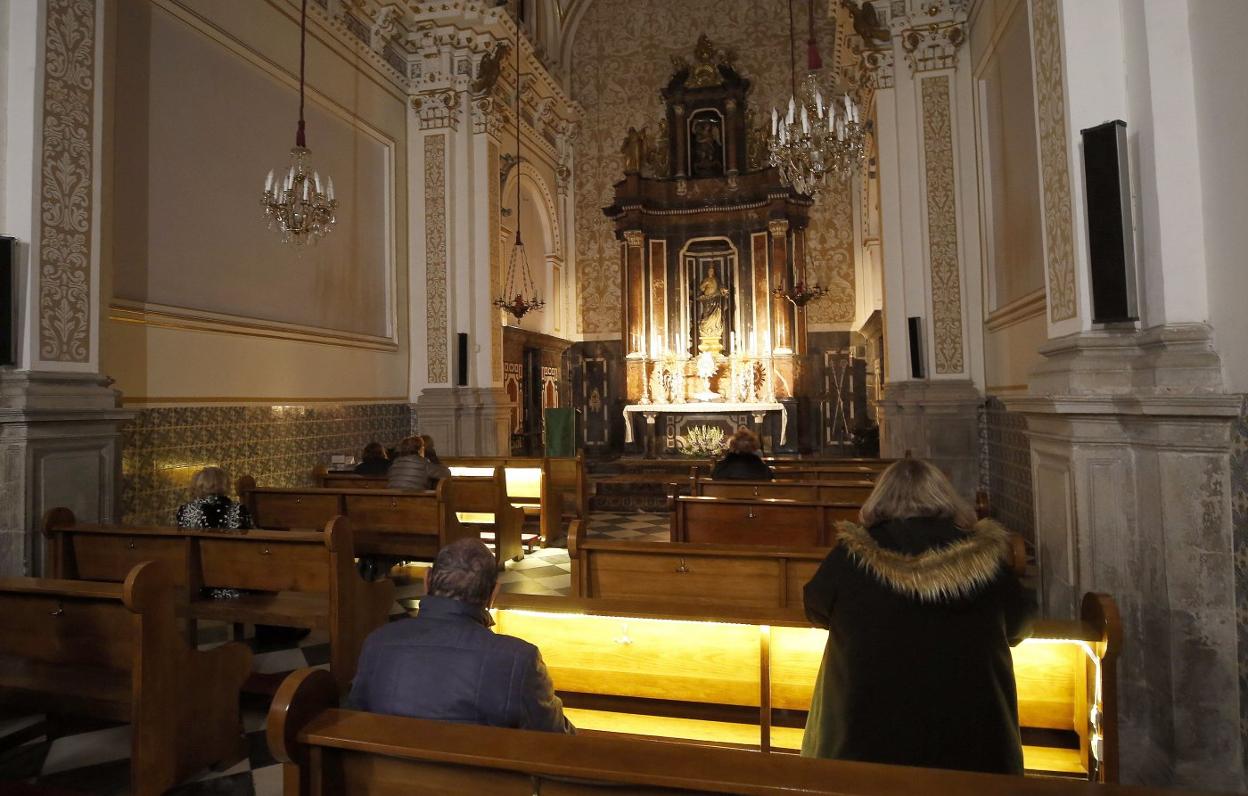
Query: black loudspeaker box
pixel 461 361
pixel 914 325
pixel 1111 237
pixel 8 308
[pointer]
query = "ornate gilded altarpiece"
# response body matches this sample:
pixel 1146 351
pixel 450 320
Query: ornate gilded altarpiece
pixel 707 233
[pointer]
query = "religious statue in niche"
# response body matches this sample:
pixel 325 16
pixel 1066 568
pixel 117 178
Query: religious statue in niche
pixel 712 306
pixel 706 146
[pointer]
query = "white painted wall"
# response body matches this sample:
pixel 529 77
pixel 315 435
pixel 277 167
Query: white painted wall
pixel 1219 30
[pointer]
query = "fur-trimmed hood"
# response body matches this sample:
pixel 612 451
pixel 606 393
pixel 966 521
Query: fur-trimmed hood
pixel 950 572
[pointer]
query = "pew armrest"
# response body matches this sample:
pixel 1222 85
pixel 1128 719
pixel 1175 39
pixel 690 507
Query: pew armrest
pixel 302 696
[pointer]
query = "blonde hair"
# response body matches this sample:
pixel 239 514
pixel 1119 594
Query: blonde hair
pixel 744 441
pixel 210 481
pixel 915 488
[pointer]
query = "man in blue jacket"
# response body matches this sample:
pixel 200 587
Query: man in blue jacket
pixel 447 664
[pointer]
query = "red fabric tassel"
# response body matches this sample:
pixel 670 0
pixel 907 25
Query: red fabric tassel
pixel 813 61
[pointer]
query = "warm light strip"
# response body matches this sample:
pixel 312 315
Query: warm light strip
pixel 1097 696
pixel 616 617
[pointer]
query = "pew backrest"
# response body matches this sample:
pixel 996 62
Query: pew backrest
pixel 806 491
pixel 765 521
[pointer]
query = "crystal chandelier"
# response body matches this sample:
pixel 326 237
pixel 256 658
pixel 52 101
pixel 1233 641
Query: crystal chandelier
pixel 513 298
pixel 296 202
pixel 804 291
pixel 820 138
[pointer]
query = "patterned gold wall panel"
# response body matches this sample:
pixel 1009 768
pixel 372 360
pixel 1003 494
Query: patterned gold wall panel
pixel 435 257
pixel 762 301
pixel 658 293
pixel 65 201
pixel 1054 159
pixel 621 59
pixel 942 225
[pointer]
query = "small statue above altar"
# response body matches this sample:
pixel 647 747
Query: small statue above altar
pixel 712 302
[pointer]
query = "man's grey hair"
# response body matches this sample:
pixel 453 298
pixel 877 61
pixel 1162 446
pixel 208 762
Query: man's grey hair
pixel 464 570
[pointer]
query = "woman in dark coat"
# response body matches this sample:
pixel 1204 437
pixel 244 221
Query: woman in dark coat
pixel 374 461
pixel 921 609
pixel 742 462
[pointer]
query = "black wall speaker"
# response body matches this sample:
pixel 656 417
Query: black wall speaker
pixel 915 326
pixel 1111 239
pixel 461 361
pixel 8 308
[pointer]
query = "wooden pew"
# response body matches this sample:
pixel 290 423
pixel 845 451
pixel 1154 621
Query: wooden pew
pixel 851 491
pixel 113 651
pixel 768 521
pixel 325 478
pixel 327 751
pixel 395 522
pixel 693 687
pixel 755 576
pixel 745 676
pixel 546 486
pixel 724 575
pixel 481 500
pixel 303 579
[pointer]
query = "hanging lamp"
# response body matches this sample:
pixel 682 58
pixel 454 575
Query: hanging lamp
pixel 819 139
pixel 513 298
pixel 296 202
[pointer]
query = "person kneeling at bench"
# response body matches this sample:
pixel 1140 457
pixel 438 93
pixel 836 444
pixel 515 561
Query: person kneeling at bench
pixel 447 664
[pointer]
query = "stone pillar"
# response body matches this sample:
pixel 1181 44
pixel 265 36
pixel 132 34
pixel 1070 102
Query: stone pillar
pixel 929 224
pixel 732 164
pixel 680 143
pixel 1131 428
pixel 60 442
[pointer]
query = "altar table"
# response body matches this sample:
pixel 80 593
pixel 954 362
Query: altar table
pixel 652 411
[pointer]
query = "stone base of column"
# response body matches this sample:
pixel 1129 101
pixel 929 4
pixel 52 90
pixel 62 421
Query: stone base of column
pixel 1130 439
pixel 465 421
pixel 60 445
pixel 936 420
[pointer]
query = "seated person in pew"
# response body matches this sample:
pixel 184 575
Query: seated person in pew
pixel 922 609
pixel 447 664
pixel 373 461
pixel 431 454
pixel 411 470
pixel 742 462
pixel 211 508
pixel 210 505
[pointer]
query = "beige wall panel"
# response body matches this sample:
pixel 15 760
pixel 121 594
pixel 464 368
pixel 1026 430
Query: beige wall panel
pixel 199 118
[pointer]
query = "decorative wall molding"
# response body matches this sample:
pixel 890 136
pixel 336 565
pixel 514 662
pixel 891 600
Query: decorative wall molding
pixel 1021 309
pixel 435 258
pixel 1054 160
pixel 167 317
pixel 66 194
pixel 942 225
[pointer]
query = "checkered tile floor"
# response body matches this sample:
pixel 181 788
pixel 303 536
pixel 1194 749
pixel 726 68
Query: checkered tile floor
pixel 95 760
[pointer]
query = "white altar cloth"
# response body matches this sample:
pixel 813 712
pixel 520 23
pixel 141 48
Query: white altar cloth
pixel 705 408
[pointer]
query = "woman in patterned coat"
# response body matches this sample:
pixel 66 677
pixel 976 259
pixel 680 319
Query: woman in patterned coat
pixel 210 506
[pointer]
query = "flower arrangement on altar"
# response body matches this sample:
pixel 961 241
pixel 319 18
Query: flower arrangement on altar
pixel 702 442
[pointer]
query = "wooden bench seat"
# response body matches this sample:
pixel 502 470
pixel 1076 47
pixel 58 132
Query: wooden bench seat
pixel 640 664
pixel 763 521
pixel 303 579
pixel 723 668
pixel 113 651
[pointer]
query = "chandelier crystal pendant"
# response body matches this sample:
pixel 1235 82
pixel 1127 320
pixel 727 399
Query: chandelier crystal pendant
pixel 513 298
pixel 296 202
pixel 820 137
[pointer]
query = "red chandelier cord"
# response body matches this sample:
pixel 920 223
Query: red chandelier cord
pixel 792 54
pixel 300 138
